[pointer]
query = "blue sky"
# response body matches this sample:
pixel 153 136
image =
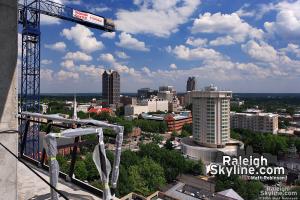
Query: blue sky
pixel 244 46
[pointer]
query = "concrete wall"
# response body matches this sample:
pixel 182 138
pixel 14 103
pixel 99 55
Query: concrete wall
pixel 8 98
pixel 160 105
pixel 135 110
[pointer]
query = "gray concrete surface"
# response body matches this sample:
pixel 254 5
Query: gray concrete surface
pixel 8 98
pixel 31 187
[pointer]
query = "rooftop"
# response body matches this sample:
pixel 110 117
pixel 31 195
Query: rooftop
pixel 254 114
pixel 187 192
pixel 161 117
pixel 32 187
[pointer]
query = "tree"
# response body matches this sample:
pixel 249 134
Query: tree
pixel 184 134
pixel 120 111
pixel 129 158
pixel 146 177
pixel 252 190
pixel 162 127
pixel 103 116
pixel 63 163
pixel 156 138
pixel 172 162
pixel 290 110
pixel 174 135
pixel 200 167
pixel 295 193
pixel 92 139
pixel 247 189
pixel 188 128
pixel 194 167
pixel 92 172
pixel 235 135
pixel 169 145
pixel 125 184
pixel 127 126
pixel 265 142
pixel 150 126
pixel 80 170
pixel 82 115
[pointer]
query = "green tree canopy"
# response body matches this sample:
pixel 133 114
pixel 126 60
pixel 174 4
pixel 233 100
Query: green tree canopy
pixel 80 170
pixel 92 172
pixel 146 177
pixel 169 144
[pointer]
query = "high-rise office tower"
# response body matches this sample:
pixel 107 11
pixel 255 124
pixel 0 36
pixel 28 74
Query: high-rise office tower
pixel 191 84
pixel 211 116
pixel 111 87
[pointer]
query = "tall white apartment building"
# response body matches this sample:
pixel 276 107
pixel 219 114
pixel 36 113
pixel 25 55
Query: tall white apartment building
pixel 257 122
pixel 211 116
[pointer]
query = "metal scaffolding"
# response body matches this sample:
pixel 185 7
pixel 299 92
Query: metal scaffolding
pixel 75 129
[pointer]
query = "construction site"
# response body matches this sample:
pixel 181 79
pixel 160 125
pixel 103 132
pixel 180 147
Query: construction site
pixel 145 136
pixel 24 173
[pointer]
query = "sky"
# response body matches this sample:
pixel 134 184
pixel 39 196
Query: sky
pixel 238 45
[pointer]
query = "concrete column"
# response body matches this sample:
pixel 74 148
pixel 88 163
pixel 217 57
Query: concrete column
pixel 8 98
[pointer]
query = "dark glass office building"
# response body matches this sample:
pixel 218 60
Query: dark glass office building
pixel 111 87
pixel 191 84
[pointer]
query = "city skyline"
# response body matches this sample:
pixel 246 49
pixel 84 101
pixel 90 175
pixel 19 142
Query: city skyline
pixel 229 45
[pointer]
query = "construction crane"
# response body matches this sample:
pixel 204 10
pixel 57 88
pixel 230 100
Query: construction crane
pixel 29 16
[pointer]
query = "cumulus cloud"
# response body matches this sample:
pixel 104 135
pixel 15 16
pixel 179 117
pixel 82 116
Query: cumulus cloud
pixel 225 70
pixel 263 9
pixel 46 62
pixel 287 23
pixel 99 9
pixel 83 37
pixel 231 26
pixel 293 49
pixel 78 56
pixel 268 63
pixel 46 74
pixel 243 12
pixel 58 46
pixel 278 61
pixel 91 70
pixel 68 64
pixel 260 51
pixel 107 57
pixel 48 20
pixel 122 54
pixel 200 53
pixel 147 71
pixel 196 42
pixel 159 18
pixel 121 68
pixel 173 66
pixel 63 75
pixel 109 35
pixel 129 42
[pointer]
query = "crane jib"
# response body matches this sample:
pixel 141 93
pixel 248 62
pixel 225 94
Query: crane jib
pixel 67 13
pixel 88 17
